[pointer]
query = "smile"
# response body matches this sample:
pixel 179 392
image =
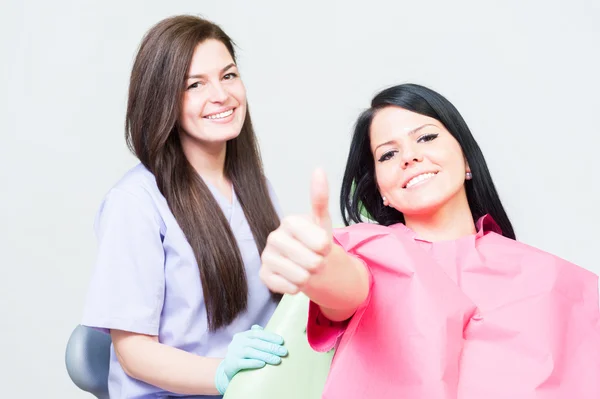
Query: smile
pixel 220 115
pixel 418 179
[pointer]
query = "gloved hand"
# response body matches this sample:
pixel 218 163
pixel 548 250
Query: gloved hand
pixel 250 349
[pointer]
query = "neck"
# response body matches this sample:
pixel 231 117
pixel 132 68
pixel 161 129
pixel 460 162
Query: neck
pixel 449 223
pixel 207 159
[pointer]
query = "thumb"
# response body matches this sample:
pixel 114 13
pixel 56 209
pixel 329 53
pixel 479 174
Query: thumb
pixel 319 197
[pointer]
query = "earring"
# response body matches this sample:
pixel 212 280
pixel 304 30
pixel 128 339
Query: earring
pixel 469 175
pixel 384 201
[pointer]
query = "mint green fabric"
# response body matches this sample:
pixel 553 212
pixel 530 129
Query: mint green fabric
pixel 301 374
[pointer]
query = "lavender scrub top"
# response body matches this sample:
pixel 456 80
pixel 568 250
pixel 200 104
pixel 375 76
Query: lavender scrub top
pixel 146 278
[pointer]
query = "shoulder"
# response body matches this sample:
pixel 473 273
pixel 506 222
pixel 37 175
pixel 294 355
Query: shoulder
pixel 497 241
pixel 138 182
pixel 524 254
pixel 135 192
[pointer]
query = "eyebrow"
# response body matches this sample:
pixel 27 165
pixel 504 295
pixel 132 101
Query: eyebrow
pixel 410 133
pixel 201 75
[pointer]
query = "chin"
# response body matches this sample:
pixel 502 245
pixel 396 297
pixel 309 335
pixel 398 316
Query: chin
pixel 230 135
pixel 225 134
pixel 431 203
pixel 420 212
pixel 423 208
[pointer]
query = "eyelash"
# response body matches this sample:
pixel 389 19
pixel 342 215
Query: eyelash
pixel 423 139
pixel 229 76
pixel 387 156
pixel 427 137
pixel 193 85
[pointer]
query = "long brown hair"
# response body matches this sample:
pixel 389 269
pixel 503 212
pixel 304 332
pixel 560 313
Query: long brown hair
pixel 151 129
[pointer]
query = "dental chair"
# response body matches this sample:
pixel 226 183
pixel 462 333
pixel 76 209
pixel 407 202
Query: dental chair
pixel 87 359
pixel 301 375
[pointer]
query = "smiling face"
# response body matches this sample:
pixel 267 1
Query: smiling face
pixel 419 166
pixel 214 102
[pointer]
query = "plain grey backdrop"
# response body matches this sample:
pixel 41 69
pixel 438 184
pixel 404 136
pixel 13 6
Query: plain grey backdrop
pixel 524 74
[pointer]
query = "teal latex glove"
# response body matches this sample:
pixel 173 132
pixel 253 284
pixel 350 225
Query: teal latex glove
pixel 250 349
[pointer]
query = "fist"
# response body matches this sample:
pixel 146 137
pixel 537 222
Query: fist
pixel 297 250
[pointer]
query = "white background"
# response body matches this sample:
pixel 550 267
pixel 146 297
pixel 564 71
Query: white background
pixel 524 74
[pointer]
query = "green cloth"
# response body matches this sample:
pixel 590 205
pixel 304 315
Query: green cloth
pixel 301 374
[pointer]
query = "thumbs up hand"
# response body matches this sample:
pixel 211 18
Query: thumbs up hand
pixel 319 197
pixel 297 249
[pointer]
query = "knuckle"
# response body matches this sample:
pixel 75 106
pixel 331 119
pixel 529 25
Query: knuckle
pixel 303 280
pixel 263 275
pixel 319 261
pixel 277 237
pixel 289 222
pixel 266 256
pixel 319 267
pixel 271 241
pixel 241 337
pixel 324 241
pixel 273 283
pixel 314 262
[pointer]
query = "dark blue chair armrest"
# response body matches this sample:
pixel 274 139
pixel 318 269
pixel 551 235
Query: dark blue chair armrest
pixel 87 359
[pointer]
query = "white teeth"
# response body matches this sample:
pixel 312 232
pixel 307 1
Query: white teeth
pixel 418 179
pixel 220 115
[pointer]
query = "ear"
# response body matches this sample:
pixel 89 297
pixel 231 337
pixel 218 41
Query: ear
pixel 384 199
pixel 386 202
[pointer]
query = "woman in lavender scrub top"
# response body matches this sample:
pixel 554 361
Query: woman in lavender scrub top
pixel 180 235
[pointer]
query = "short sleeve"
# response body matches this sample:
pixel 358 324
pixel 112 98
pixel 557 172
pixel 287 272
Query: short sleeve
pixel 322 333
pixel 127 286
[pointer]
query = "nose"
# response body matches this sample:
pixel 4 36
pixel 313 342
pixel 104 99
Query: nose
pixel 218 94
pixel 410 156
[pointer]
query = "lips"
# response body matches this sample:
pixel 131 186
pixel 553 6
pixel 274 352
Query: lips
pixel 418 179
pixel 220 114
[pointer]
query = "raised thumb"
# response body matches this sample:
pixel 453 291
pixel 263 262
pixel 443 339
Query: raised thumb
pixel 319 196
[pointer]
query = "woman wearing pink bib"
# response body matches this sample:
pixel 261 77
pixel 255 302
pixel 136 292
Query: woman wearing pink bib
pixel 433 298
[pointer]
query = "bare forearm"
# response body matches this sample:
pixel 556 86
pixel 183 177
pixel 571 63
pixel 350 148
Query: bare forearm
pixel 171 369
pixel 340 287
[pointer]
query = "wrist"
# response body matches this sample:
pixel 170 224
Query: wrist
pixel 221 380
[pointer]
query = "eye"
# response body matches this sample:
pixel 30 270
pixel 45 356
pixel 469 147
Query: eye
pixel 194 85
pixel 229 76
pixel 427 137
pixel 387 156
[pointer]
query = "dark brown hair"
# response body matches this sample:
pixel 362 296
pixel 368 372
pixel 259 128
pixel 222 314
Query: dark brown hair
pixel 360 195
pixel 151 129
